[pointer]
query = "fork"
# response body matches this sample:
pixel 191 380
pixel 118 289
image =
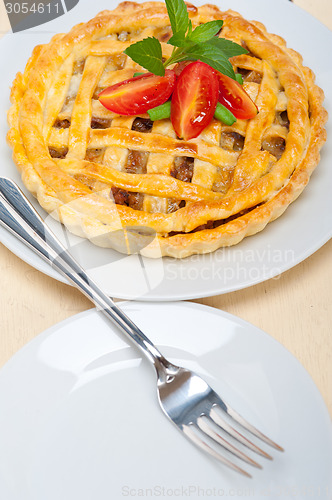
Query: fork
pixel 185 398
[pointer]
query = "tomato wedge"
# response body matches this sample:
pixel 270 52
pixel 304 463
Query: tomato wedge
pixel 233 96
pixel 138 95
pixel 194 99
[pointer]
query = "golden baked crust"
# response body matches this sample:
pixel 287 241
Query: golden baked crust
pixel 98 172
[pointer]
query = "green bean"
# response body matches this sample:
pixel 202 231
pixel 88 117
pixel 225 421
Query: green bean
pixel 239 78
pixel 224 115
pixel 160 112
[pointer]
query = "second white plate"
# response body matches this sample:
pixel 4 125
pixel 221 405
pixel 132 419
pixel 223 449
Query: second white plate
pixel 80 420
pixel 284 243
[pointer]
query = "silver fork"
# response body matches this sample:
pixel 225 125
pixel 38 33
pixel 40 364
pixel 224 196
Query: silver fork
pixel 186 399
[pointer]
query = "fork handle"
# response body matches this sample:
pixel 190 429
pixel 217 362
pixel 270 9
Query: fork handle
pixel 19 216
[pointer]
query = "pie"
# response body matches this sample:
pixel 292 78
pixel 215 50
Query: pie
pixel 98 172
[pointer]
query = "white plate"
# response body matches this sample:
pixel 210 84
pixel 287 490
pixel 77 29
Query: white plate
pixel 79 417
pixel 303 229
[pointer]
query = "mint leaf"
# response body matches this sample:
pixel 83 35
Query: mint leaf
pixel 198 44
pixel 178 15
pixel 210 55
pixel 230 49
pixel 204 32
pixel 147 53
pixel 201 33
pixel 178 39
pixel 190 28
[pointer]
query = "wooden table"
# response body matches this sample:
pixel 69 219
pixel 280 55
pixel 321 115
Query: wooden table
pixel 295 309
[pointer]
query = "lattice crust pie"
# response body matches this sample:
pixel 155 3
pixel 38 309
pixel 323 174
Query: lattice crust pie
pixel 98 172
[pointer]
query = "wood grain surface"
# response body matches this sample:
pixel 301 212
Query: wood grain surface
pixel 295 309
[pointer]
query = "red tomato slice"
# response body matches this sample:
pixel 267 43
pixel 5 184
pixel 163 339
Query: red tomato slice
pixel 235 98
pixel 194 99
pixel 139 94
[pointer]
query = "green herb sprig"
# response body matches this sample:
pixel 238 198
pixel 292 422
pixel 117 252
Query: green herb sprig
pixel 202 44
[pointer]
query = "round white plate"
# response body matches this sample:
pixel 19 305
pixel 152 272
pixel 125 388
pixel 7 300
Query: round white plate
pixel 79 416
pixel 303 229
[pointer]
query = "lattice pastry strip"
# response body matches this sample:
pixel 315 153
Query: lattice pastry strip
pixel 57 95
pixel 119 136
pixel 205 172
pixel 100 171
pixel 160 163
pixel 82 111
pixel 115 156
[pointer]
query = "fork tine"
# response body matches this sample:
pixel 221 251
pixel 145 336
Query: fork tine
pixel 240 420
pixel 204 423
pixel 220 422
pixel 192 435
